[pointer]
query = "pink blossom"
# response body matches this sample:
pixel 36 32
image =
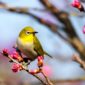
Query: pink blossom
pixel 40 58
pixel 84 29
pixel 16 67
pixel 5 52
pixel 47 70
pixel 40 61
pixel 76 4
pixel 15 55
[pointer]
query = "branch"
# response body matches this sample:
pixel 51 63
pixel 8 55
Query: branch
pixel 78 59
pixel 23 9
pixel 48 81
pixel 20 64
pixel 63 17
pixel 26 69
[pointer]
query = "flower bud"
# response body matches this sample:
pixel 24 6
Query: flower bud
pixel 16 56
pixel 40 61
pixel 16 67
pixel 5 52
pixel 76 4
pixel 40 58
pixel 84 29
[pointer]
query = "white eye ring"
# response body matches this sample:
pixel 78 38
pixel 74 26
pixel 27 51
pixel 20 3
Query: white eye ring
pixel 27 32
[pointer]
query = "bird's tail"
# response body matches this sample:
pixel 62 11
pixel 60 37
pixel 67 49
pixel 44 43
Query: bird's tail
pixel 48 54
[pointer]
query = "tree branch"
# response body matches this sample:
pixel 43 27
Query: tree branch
pixel 26 69
pixel 63 17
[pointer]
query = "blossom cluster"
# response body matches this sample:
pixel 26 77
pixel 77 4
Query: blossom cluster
pixel 17 66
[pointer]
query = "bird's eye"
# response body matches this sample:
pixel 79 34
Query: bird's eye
pixel 27 32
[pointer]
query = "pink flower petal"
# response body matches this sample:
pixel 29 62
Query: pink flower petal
pixel 76 4
pixel 15 55
pixel 5 52
pixel 15 67
pixel 84 29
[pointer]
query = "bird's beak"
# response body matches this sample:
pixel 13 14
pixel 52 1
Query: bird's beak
pixel 35 32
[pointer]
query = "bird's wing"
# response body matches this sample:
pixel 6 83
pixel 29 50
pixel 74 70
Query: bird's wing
pixel 48 54
pixel 37 46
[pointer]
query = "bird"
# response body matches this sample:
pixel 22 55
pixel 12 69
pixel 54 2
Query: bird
pixel 28 44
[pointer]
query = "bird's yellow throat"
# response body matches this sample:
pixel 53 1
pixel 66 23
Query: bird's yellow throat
pixel 27 39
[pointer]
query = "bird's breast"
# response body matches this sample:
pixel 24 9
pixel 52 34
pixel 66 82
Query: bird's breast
pixel 27 49
pixel 24 45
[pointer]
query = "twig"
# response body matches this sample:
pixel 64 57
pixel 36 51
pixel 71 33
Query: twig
pixel 79 60
pixel 23 9
pixel 68 82
pixel 48 81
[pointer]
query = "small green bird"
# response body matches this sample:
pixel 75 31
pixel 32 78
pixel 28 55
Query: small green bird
pixel 29 44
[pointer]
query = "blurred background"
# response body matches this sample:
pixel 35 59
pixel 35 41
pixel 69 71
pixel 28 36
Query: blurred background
pixel 60 33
